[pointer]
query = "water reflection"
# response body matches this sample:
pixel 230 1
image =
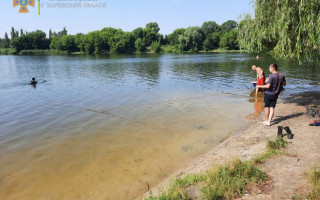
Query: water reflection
pixel 258 104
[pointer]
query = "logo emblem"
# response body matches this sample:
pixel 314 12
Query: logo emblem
pixel 23 5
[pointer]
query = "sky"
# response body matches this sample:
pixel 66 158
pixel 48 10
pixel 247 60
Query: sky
pixel 124 14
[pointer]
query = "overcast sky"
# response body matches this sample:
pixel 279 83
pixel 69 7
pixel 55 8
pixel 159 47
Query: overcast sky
pixel 124 14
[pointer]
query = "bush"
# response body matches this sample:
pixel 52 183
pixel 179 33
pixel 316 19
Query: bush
pixel 156 47
pixel 171 49
pixel 8 52
pixel 140 45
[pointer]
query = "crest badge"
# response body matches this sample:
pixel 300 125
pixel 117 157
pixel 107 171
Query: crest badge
pixel 23 5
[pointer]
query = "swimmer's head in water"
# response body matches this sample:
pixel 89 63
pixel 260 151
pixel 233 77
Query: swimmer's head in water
pixel 33 78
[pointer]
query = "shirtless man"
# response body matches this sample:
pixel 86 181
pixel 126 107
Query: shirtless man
pixel 260 77
pixel 273 86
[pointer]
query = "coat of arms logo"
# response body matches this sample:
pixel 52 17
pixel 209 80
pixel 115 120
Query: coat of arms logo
pixel 23 5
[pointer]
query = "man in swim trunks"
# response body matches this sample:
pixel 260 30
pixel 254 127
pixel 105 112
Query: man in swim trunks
pixel 273 86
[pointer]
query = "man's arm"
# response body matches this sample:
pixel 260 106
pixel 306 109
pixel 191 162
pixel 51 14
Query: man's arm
pixel 259 70
pixel 267 86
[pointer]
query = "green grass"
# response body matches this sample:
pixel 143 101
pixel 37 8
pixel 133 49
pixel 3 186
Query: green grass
pixel 178 188
pixel 190 179
pixel 229 181
pixel 314 183
pixel 273 148
pixel 296 197
pixel 261 158
pixel 276 144
pixel 226 181
pixel 223 182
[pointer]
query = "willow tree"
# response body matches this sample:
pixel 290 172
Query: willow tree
pixel 288 28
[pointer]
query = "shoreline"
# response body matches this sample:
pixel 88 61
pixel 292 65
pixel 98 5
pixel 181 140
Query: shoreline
pixel 36 52
pixel 246 144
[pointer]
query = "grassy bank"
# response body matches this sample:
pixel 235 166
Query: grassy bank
pixel 164 49
pixel 220 50
pixel 43 52
pixel 226 181
pixel 33 52
pixel 8 52
pixel 176 49
pixel 170 49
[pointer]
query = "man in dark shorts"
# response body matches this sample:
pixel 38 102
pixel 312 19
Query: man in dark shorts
pixel 273 86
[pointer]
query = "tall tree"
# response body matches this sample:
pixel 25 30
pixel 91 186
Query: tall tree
pixel 173 38
pixel 61 33
pixel 50 33
pixel 154 26
pixel 138 33
pixel 6 40
pixel 291 29
pixel 14 33
pixel 192 39
pixel 149 36
pixel 34 40
pixel 228 26
pixel 229 40
pixel 64 31
pixel 209 28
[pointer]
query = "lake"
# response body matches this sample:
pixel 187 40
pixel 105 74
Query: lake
pixel 110 127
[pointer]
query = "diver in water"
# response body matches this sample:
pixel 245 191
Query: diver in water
pixel 33 81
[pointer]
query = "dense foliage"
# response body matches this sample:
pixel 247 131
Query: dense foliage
pixel 290 29
pixel 33 40
pixel 115 41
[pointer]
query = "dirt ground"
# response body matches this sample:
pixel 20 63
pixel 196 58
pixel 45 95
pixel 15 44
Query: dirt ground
pixel 287 171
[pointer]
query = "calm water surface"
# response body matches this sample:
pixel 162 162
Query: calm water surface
pixel 107 127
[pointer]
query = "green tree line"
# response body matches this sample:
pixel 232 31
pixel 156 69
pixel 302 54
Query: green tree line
pixel 287 29
pixel 209 36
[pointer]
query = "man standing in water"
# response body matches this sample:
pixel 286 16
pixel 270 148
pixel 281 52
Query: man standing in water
pixel 273 86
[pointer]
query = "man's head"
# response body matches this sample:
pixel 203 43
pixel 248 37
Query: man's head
pixel 273 68
pixel 33 78
pixel 254 67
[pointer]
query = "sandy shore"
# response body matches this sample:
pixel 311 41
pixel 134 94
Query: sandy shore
pixel 287 171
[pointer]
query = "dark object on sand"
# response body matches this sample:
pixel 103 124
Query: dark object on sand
pixel 313 111
pixel 315 123
pixel 289 133
pixel 33 81
pixel 280 129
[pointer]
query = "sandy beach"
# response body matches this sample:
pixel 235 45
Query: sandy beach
pixel 287 171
